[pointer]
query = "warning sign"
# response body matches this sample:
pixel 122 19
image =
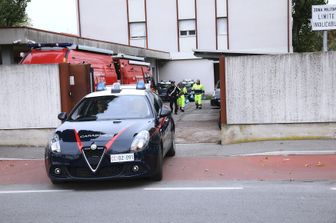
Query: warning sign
pixel 323 17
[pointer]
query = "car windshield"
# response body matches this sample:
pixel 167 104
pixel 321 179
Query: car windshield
pixel 112 107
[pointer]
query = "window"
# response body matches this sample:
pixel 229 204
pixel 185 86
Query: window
pixel 192 32
pixel 222 29
pixel 187 28
pixel 222 26
pixel 183 33
pixel 138 30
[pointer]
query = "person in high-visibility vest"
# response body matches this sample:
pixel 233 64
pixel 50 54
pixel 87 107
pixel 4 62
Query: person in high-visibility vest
pixel 181 99
pixel 198 89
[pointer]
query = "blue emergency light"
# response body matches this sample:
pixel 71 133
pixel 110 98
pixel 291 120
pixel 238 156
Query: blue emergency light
pixel 140 85
pixel 100 86
pixel 116 88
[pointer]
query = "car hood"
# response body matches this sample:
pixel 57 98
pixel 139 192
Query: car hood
pixel 116 136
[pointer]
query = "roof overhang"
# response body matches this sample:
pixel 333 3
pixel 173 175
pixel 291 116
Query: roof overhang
pixel 215 54
pixel 25 35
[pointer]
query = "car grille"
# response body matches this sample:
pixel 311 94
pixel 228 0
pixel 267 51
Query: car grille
pixel 93 157
pixel 83 172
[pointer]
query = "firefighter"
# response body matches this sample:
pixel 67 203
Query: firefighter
pixel 181 99
pixel 198 89
pixel 173 93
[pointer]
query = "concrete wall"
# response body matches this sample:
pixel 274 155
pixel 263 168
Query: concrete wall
pixel 30 98
pixel 280 97
pixel 292 88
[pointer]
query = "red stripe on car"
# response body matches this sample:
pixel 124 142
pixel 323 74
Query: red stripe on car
pixel 79 143
pixel 109 143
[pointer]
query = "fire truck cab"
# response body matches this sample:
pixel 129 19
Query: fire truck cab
pixel 131 69
pixel 107 67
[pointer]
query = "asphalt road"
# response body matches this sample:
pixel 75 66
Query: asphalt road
pixel 234 201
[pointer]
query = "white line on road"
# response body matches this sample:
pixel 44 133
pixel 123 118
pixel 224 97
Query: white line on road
pixel 287 153
pixel 333 188
pixel 30 191
pixel 19 159
pixel 191 188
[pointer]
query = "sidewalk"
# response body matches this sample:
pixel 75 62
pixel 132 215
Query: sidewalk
pixel 293 147
pixel 266 148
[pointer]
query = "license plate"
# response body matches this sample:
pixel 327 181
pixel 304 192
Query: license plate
pixel 119 158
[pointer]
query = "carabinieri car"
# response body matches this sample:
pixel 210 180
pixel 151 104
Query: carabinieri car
pixel 120 132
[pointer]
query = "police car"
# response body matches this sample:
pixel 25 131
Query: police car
pixel 120 132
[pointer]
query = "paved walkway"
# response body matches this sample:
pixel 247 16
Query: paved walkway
pixel 198 125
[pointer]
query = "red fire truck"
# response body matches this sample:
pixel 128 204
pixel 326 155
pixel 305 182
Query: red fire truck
pixel 131 69
pixel 107 67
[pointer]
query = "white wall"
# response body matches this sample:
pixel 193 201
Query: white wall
pixel 136 10
pixel 186 9
pixel 30 96
pixel 254 25
pixel 206 24
pixel 258 25
pixel 292 88
pixel 104 20
pixel 162 29
pixel 221 8
pixel 191 69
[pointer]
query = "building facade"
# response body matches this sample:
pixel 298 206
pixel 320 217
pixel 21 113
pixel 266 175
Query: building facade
pixel 181 26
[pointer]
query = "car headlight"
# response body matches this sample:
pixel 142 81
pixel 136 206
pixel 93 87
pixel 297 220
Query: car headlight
pixel 55 146
pixel 140 141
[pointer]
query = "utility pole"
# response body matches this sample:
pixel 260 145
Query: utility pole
pixel 325 41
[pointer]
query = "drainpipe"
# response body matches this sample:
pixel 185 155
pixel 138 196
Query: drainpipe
pixel 222 81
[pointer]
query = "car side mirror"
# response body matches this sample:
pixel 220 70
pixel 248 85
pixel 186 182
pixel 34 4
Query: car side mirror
pixel 165 112
pixel 62 116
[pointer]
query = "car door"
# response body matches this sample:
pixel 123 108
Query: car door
pixel 164 123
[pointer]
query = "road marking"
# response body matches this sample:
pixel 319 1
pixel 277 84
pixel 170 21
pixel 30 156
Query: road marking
pixel 287 153
pixel 19 159
pixel 190 188
pixel 333 188
pixel 30 191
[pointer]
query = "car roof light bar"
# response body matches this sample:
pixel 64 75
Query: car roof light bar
pixel 116 88
pixel 140 85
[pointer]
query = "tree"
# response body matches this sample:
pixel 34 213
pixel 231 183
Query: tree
pixel 304 39
pixel 332 40
pixel 13 12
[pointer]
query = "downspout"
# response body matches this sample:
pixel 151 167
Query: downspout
pixel 222 81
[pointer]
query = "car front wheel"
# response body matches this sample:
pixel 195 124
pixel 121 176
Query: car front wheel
pixel 158 175
pixel 171 151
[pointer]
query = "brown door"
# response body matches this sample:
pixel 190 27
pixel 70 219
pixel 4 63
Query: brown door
pixel 75 82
